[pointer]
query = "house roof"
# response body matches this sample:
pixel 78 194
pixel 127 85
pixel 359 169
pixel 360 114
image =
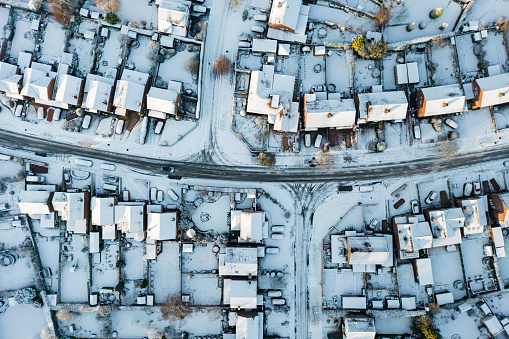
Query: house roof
pixel 474 211
pixel 444 100
pixel 130 217
pixel 35 202
pixel 162 100
pixel 424 271
pixel 103 210
pixel 36 84
pixel 68 89
pixel 247 327
pixel 445 226
pixel 71 206
pixel 444 298
pixel 24 61
pixel 98 92
pixel 285 13
pixel 162 226
pixel 243 294
pixel 10 80
pixel 251 223
pixel 382 106
pixel 353 302
pixel 359 327
pixel 495 89
pixel 129 95
pixel 367 250
pixel 239 261
pixel 264 45
pixel 94 242
pixel 328 113
pixel 172 13
pixel 288 121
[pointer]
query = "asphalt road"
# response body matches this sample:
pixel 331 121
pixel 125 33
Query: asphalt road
pixel 257 173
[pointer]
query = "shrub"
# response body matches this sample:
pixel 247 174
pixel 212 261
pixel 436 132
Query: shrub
pixel 108 6
pixel 192 65
pixel 266 159
pixel 369 50
pixel 435 13
pixel 62 11
pixel 25 295
pixel 144 283
pixel 377 50
pixel 120 287
pixel 111 18
pixel 359 42
pixel 382 16
pixel 173 309
pixel 65 315
pixel 221 65
pixel 152 50
pixel 423 324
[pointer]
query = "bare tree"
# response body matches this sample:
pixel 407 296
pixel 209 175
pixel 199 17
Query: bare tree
pixel 65 315
pixel 382 16
pixel 192 65
pixel 266 159
pixel 447 149
pixel 62 10
pixel 221 65
pixel 46 334
pixel 108 6
pixel 173 309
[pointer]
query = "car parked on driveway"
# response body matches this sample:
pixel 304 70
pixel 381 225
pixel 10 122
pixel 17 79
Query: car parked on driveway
pixel 431 196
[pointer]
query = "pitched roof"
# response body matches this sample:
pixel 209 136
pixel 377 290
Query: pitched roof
pixel 243 294
pixel 71 206
pixel 36 84
pixel 382 106
pixel 251 223
pixel 328 113
pixel 359 328
pixel 162 100
pixel 103 210
pixel 162 226
pixel 239 261
pixel 10 80
pixel 68 89
pixel 444 100
pixel 130 217
pixel 495 89
pixel 171 13
pixel 247 327
pixel 285 13
pixel 424 271
pixel 98 92
pixel 367 250
pixel 35 202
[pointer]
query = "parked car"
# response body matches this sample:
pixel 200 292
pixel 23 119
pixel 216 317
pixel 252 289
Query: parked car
pixel 257 29
pixel 399 203
pixel 125 195
pixel 366 189
pixel 199 9
pixel 108 167
pixel 278 229
pixel 83 162
pixel 153 193
pixel 86 121
pixel 120 127
pixel 109 187
pixel 277 236
pixel 168 169
pixel 417 131
pixel 318 141
pixel 173 196
pixel 451 123
pixel 260 17
pixel 467 189
pixel 307 140
pixel 477 188
pixel 35 178
pixel 56 114
pixel 244 44
pixel 40 113
pixel 495 184
pixel 431 196
pixel 272 250
pixel 274 294
pixel 415 206
pixel 278 301
pixel 159 127
pixel 18 111
pixel 160 196
pixel 46 273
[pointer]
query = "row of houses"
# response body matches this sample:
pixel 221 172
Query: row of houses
pixel 272 95
pixel 98 94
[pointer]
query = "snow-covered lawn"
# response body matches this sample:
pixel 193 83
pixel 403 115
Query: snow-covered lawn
pixel 74 284
pixel 400 325
pixel 202 259
pixel 164 273
pixel 23 40
pixel 109 53
pixel 105 274
pixel 174 67
pixel 446 270
pixel 135 265
pixel 22 321
pixel 339 71
pixel 443 57
pixel 213 216
pixel 18 275
pixel 138 55
pixel 312 71
pixel 49 250
pixel 205 289
pixel 366 74
pixel 84 48
pixel 466 57
pixel 278 324
pixel 54 39
pixel 488 11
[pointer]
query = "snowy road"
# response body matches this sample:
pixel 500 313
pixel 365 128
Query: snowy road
pixel 397 169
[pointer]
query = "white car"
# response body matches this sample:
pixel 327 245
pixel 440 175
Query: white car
pixel 86 121
pixel 18 111
pixel 417 131
pixel 431 196
pixel 120 127
pixel 40 113
pixel 451 123
pixel 57 112
pixel 467 189
pixel 318 141
pixel 307 140
pixel 415 206
pixel 159 127
pixel 477 188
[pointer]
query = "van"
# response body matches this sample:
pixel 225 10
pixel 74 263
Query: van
pixel 40 113
pixel 366 189
pixel 86 121
pixel 417 131
pixel 307 140
pixel 109 187
pixel 5 157
pixel 153 193
pixel 244 44
pixel 278 236
pixel 451 123
pixel 159 127
pixel 318 141
pixel 173 196
pixel 57 112
pixel 278 301
pixel 160 196
pixel 199 9
pixel 35 178
pixel 260 17
pixel 274 294
pixel 83 162
pixel 278 228
pixel 108 167
pixel 18 111
pixel 120 127
pixel 271 250
pixel 257 29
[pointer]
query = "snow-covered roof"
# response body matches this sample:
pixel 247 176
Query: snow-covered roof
pixel 243 294
pixel 408 303
pixel 381 106
pixel 414 234
pixel 71 206
pixel 239 261
pixel 412 72
pixel 69 89
pixel 359 328
pixel 264 45
pixel 444 298
pixel 251 223
pixel 109 232
pixel 445 226
pixel 283 49
pixel 173 14
pixel 103 210
pixel 353 302
pixel 338 249
pixel 99 92
pixel 35 202
pixel 162 226
pixel 495 89
pixel 474 211
pixel 10 80
pixel 288 121
pixel 94 242
pixel 129 217
pixel 367 250
pixel 129 95
pixel 247 327
pixel 24 61
pixel 163 100
pixel 498 238
pixel 493 325
pixel 424 271
pixel 285 14
pixel 37 84
pixel 443 100
pixel 328 113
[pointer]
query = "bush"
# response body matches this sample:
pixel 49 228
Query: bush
pixel 111 18
pixel 359 42
pixel 120 287
pixel 120 263
pixel 266 159
pixel 423 324
pixel 221 65
pixel 144 283
pixel 65 315
pixel 62 11
pixel 435 13
pixel 369 50
pixel 25 295
pixel 377 50
pixel 108 6
pixel 192 65
pixel 382 16
pixel 173 309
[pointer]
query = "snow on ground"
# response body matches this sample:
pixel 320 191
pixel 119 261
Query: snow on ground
pixel 205 289
pixel 84 49
pixel 22 321
pixel 278 323
pixel 388 73
pixel 312 72
pixel 164 272
pixel 463 325
pixel 174 130
pixel 209 320
pixel 53 42
pixel 495 50
pixel 74 283
pixel 366 74
pixel 174 68
pixel 213 216
pixel 18 275
pixel 339 71
pixel 418 11
pixel 23 39
pixel 109 52
pixel 4 19
pixel 49 250
pixel 466 57
pixel 488 11
pixel 138 54
pixel 400 325
pixel 446 270
pixel 202 259
pixel 443 57
pixel 105 274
